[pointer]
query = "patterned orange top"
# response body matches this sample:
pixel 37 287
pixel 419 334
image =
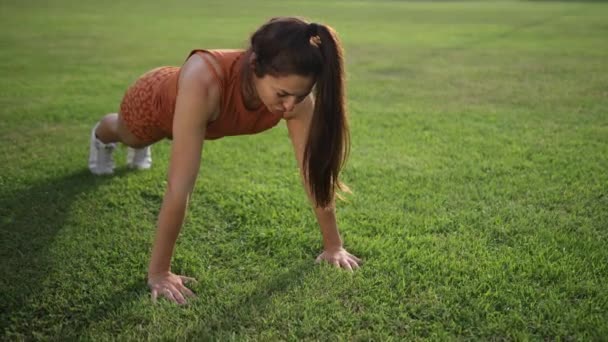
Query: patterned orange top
pixel 234 117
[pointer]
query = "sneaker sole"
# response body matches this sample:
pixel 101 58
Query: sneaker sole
pixel 101 173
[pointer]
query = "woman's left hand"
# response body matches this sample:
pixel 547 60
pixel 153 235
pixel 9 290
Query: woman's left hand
pixel 340 258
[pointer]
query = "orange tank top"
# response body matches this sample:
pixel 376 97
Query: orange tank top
pixel 234 118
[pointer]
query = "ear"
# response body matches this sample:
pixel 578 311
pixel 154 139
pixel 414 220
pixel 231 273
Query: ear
pixel 252 60
pixel 254 65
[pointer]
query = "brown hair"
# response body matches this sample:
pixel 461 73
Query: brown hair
pixel 290 45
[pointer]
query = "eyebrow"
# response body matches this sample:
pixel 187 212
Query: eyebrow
pixel 290 94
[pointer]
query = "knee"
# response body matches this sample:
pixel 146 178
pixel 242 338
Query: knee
pixel 111 121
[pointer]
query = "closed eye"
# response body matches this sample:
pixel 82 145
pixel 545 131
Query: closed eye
pixel 298 98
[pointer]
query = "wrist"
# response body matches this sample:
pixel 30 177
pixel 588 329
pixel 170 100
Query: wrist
pixel 333 248
pixel 155 272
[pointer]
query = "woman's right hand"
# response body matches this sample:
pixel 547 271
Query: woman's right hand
pixel 171 286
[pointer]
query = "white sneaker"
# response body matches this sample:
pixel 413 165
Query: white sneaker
pixel 100 155
pixel 139 158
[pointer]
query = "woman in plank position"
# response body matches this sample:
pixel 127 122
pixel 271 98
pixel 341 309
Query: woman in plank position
pixel 219 93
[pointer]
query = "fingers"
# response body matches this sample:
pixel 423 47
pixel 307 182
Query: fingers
pixel 188 279
pixel 171 286
pixel 177 296
pixel 173 295
pixel 353 263
pixel 343 260
pixel 355 258
pixel 186 291
pixel 346 264
pixel 168 294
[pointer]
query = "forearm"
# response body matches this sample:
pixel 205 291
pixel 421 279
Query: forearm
pixel 329 227
pixel 170 221
pixel 326 217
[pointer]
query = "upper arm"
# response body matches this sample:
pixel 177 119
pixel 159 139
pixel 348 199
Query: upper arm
pixel 197 100
pixel 298 125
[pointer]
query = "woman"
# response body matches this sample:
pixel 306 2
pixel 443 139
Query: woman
pixel 218 93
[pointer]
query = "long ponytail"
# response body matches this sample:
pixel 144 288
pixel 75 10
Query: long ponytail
pixel 328 143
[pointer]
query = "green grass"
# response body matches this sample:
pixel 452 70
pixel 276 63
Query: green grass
pixel 479 167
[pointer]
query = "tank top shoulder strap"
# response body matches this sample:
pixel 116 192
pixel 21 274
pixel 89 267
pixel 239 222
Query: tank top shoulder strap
pixel 216 66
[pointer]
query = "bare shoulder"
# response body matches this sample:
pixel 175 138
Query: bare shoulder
pixel 302 110
pixel 197 71
pixel 206 62
pixel 197 83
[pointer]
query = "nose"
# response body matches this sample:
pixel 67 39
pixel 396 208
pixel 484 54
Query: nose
pixel 289 104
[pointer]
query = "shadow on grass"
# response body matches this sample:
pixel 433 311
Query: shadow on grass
pixel 245 313
pixel 31 220
pixel 241 312
pixel 227 319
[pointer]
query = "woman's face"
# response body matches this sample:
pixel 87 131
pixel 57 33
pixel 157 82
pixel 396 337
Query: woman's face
pixel 280 94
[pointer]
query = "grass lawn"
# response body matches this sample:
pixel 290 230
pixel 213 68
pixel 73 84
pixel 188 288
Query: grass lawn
pixel 479 167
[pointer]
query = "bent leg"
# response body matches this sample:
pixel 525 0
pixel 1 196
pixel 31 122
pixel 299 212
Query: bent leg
pixel 112 128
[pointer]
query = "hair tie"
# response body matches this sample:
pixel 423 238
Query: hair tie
pixel 313 34
pixel 312 30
